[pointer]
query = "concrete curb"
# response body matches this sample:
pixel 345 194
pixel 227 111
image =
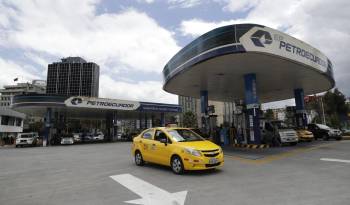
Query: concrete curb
pixel 345 137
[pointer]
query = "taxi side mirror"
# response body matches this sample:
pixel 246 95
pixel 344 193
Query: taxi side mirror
pixel 164 140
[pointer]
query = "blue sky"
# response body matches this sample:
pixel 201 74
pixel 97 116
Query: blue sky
pixel 132 40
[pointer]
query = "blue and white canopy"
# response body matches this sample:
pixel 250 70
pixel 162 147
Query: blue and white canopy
pixel 218 60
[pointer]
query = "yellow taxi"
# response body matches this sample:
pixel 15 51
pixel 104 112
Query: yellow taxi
pixel 304 135
pixel 180 148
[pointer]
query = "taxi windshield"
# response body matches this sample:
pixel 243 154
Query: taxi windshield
pixel 184 135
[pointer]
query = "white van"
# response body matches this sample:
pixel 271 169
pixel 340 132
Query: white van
pixel 279 130
pixel 27 139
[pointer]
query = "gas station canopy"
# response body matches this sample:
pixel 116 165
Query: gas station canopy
pixel 218 60
pixel 88 107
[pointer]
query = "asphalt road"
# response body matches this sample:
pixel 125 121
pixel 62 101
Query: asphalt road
pixel 80 174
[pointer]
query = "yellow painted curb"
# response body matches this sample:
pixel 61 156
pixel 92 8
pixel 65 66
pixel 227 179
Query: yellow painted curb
pixel 252 146
pixel 275 157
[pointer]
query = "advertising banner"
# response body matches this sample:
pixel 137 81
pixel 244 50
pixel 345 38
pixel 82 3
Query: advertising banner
pixel 268 40
pixel 101 103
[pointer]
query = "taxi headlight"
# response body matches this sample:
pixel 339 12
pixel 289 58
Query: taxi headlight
pixel 193 152
pixel 220 150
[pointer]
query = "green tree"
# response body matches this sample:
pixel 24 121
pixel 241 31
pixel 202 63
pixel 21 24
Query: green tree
pixel 335 108
pixel 189 119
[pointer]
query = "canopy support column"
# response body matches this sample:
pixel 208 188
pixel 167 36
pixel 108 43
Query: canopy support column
pixel 252 103
pixel 204 108
pixel 300 114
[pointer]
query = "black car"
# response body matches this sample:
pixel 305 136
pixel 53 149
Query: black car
pixel 324 132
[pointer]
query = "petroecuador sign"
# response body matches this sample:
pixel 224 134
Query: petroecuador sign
pixel 267 40
pixel 101 103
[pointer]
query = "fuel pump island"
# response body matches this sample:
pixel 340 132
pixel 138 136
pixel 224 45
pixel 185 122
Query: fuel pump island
pixel 249 62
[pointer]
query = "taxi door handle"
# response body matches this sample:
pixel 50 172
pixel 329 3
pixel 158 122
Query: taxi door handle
pixel 153 144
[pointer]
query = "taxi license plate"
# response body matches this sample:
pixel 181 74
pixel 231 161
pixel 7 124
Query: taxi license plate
pixel 213 161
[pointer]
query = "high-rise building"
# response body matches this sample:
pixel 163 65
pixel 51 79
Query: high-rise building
pixel 223 110
pixel 73 76
pixel 6 93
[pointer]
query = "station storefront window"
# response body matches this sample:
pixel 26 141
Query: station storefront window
pixel 18 122
pixel 5 120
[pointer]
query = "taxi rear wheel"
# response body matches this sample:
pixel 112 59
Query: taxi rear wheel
pixel 177 165
pixel 139 159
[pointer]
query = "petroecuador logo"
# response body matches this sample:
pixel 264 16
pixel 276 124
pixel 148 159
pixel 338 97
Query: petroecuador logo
pixel 261 38
pixel 76 101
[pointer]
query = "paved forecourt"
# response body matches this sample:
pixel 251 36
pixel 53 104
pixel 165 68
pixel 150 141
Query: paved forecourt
pixel 82 175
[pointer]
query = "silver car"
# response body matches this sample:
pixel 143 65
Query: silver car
pixel 26 139
pixel 67 140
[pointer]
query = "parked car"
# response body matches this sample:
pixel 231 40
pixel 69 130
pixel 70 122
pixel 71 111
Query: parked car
pixel 324 132
pixel 77 137
pixel 27 139
pixel 98 136
pixel 304 135
pixel 346 132
pixel 277 133
pixel 179 148
pixel 67 139
pixel 119 135
pixel 87 137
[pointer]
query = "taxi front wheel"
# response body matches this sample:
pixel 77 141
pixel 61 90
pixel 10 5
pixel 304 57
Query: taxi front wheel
pixel 177 165
pixel 139 159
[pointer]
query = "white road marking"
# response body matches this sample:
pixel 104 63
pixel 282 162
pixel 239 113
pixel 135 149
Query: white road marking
pixel 151 195
pixel 335 160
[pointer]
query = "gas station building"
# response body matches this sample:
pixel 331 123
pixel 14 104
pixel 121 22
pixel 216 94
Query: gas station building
pixel 250 64
pixel 69 114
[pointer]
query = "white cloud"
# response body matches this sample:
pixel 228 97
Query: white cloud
pixel 146 1
pixel 130 39
pixel 240 5
pixel 323 24
pixel 11 70
pixel 150 91
pixel 37 59
pixel 197 27
pixel 184 3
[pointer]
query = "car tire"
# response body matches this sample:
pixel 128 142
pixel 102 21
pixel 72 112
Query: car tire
pixel 177 165
pixel 338 138
pixel 293 143
pixel 16 146
pixel 139 159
